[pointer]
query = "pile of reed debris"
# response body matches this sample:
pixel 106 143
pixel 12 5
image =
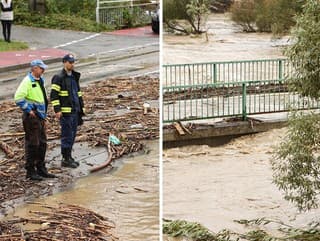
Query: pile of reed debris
pixel 62 222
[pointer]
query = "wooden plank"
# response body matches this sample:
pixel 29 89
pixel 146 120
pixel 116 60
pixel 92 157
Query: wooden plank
pixel 179 128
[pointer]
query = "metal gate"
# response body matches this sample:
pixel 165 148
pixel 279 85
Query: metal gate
pixel 121 12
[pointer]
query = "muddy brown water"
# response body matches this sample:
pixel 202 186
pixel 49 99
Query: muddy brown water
pixel 225 43
pixel 216 185
pixel 128 195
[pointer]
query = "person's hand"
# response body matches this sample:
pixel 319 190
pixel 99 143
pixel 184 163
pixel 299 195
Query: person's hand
pixel 58 115
pixel 32 114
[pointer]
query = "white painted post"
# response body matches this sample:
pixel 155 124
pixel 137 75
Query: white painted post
pixel 97 12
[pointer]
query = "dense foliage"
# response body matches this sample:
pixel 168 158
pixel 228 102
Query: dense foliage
pixel 276 16
pixel 83 8
pixel 62 14
pixel 296 164
pixel 304 53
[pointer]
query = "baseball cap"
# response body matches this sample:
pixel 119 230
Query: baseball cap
pixel 68 57
pixel 38 62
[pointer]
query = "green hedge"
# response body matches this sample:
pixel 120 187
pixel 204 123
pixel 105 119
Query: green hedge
pixel 63 14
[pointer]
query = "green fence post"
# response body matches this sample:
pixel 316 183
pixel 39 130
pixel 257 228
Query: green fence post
pixel 280 70
pixel 244 101
pixel 214 73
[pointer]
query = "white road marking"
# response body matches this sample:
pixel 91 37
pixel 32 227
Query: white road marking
pixel 123 49
pixel 77 41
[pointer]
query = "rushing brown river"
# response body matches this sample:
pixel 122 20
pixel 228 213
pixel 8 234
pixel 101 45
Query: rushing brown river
pixel 128 195
pixel 216 185
pixel 225 42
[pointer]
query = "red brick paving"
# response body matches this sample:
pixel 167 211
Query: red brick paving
pixel 12 58
pixel 141 31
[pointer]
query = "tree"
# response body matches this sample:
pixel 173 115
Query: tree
pixel 296 164
pixel 193 12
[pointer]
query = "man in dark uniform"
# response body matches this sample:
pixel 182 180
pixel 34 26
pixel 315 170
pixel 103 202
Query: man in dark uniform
pixel 67 102
pixel 32 99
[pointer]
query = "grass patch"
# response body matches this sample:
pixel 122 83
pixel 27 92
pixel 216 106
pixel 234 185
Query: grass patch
pixel 4 46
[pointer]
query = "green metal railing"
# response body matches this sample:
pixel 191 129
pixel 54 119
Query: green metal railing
pixel 225 89
pixel 231 71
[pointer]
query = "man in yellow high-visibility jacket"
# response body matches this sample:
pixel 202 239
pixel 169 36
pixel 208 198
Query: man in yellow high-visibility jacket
pixel 32 99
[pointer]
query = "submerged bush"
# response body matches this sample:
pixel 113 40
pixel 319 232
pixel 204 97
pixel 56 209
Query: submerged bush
pixel 276 16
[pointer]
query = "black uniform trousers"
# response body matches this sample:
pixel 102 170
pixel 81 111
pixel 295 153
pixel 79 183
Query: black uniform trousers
pixel 35 142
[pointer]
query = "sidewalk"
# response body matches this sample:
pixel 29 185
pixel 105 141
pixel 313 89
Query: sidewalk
pixel 13 60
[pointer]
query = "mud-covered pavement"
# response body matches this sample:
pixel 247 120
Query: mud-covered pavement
pixel 114 106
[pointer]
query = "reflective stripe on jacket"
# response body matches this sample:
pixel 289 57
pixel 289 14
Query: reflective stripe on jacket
pixel 29 96
pixel 61 93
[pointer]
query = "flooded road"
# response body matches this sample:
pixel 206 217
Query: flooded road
pixel 216 185
pixel 128 195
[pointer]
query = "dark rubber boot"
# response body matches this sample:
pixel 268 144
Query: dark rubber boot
pixel 43 172
pixel 66 159
pixel 30 156
pixel 72 159
pixel 32 175
pixel 41 165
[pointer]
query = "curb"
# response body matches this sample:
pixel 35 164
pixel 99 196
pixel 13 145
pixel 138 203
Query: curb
pixel 26 65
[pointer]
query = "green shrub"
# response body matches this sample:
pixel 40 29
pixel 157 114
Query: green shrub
pixel 276 16
pixel 243 13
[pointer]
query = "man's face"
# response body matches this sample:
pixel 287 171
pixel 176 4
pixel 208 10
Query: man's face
pixel 37 71
pixel 68 65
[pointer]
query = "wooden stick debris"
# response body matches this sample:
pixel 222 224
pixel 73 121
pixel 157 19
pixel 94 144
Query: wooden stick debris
pixel 6 149
pixel 179 128
pixel 104 115
pixel 62 222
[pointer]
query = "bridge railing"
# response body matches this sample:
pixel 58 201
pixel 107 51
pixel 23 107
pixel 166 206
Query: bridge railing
pixel 231 71
pixel 229 89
